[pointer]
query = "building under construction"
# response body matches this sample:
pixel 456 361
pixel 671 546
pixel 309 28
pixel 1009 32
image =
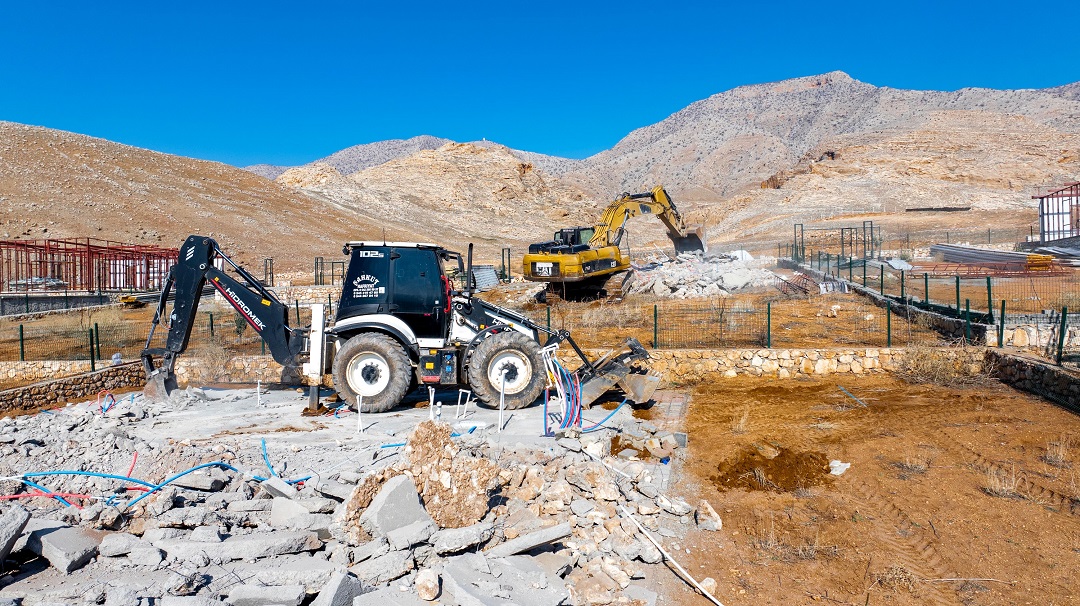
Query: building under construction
pixel 82 264
pixel 1059 213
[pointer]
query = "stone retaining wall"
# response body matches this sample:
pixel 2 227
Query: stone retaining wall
pixel 1036 376
pixel 71 389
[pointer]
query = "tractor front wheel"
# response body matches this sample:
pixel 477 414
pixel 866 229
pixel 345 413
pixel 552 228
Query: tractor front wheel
pixel 375 367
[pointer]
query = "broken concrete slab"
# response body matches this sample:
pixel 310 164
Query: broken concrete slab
pixel 384 568
pixel 388 596
pixel 276 487
pixel 311 571
pixel 397 504
pixel 340 591
pixel 474 580
pixel 12 524
pixel 66 548
pixel 261 595
pixel 187 600
pixel 34 525
pixel 409 535
pixel 250 505
pixel 531 540
pixel 454 540
pixel 335 490
pixel 243 547
pixel 120 543
pixel 208 480
pixel 372 549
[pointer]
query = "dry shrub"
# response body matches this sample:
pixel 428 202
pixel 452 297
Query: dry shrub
pixel 896 577
pixel 952 366
pixel 212 360
pixel 739 421
pixel 1057 452
pixel 1000 483
pixel 912 466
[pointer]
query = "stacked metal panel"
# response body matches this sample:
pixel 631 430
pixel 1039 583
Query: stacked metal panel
pixel 972 255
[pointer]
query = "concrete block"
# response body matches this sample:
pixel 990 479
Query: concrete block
pixel 384 568
pixel 313 572
pixel 454 540
pixel 340 591
pixel 210 534
pixel 187 600
pixel 207 479
pixel 412 534
pixel 640 595
pixel 12 524
pixel 388 596
pixel 283 509
pixel 335 490
pixel 120 543
pixel 65 548
pixel 250 505
pixel 396 505
pixel 276 487
pixel 531 540
pixel 372 549
pixel 319 504
pixel 243 547
pixel 261 595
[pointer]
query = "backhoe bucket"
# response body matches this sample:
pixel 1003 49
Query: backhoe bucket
pixel 695 240
pixel 612 370
pixel 159 387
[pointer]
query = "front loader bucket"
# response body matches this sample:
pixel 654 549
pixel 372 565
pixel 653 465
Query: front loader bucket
pixel 159 387
pixel 640 386
pixel 695 240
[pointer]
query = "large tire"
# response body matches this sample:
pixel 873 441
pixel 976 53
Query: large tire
pixel 375 366
pixel 520 357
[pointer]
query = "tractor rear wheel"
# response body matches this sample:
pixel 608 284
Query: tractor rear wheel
pixel 374 366
pixel 510 361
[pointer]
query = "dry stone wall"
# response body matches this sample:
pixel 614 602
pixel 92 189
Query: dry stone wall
pixel 1036 376
pixel 70 389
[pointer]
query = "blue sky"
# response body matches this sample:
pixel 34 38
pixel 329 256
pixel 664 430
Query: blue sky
pixel 289 82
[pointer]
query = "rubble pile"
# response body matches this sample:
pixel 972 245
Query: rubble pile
pixel 458 519
pixel 694 274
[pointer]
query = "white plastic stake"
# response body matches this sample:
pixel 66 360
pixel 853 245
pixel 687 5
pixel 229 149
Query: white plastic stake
pixel 502 398
pixel 438 411
pixel 359 417
pixel 258 391
pixel 431 403
pixel 458 413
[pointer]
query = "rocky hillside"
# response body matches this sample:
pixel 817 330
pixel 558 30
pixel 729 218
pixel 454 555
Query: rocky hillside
pixel 359 157
pixel 456 194
pixel 55 184
pixel 736 139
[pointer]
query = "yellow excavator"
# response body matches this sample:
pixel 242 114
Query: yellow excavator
pixel 579 261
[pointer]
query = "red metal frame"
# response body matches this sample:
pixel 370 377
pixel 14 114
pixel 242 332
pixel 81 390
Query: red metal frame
pixel 87 264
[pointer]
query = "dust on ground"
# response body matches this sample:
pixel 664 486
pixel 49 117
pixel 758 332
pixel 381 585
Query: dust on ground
pixel 954 495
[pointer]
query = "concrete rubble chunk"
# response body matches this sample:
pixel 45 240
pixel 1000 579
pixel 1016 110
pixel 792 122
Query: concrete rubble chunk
pixel 120 543
pixel 454 540
pixel 187 600
pixel 209 480
pixel 554 564
pixel 640 595
pixel 707 518
pixel 570 444
pixel 261 595
pixel 477 581
pixel 674 506
pixel 396 505
pixel 388 596
pixel 276 487
pixel 311 571
pixel 340 591
pixel 384 568
pixel 243 547
pixel 334 490
pixel 580 507
pixel 250 505
pixel 531 540
pixel 12 524
pixel 66 548
pixel 372 549
pixel 412 534
pixel 428 584
pixel 33 525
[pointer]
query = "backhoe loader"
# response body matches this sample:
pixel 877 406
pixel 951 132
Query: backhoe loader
pixel 578 262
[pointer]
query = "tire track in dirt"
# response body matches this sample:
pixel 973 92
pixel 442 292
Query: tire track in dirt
pixel 907 542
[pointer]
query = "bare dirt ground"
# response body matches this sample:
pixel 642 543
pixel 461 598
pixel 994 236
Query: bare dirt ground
pixel 954 495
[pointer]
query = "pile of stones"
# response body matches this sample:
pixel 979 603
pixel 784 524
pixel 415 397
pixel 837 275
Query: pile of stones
pixel 694 274
pixel 454 519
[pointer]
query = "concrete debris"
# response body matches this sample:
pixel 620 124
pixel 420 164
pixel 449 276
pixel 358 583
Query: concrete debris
pixel 695 274
pixel 468 519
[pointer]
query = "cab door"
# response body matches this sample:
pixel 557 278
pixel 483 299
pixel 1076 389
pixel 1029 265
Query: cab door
pixel 418 294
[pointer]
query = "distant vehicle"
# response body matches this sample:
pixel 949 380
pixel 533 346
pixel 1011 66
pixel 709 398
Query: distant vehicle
pixel 38 283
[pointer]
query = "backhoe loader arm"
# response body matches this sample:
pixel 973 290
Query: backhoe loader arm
pixel 657 202
pixel 259 308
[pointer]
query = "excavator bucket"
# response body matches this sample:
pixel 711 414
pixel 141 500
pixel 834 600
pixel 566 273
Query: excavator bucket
pixel 611 370
pixel 695 240
pixel 159 387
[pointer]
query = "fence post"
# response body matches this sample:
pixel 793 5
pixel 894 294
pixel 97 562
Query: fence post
pixel 864 273
pixel 881 285
pixel 549 317
pixel 97 340
pixel 989 299
pixel 828 264
pixel 849 269
pixel 926 288
pixel 888 323
pixel 967 320
pixel 902 298
pixel 297 301
pixel 26 298
pixel 22 345
pixel 211 324
pixel 90 334
pixel 655 322
pixel 1001 326
pixel 768 324
pixel 1061 333
pixel 957 296
pixel 66 304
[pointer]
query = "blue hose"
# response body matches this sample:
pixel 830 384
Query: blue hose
pixel 43 489
pixel 93 474
pixel 266 458
pixel 600 425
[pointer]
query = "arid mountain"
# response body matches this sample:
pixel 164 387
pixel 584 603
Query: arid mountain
pixel 55 184
pixel 359 157
pixel 456 194
pixel 736 139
